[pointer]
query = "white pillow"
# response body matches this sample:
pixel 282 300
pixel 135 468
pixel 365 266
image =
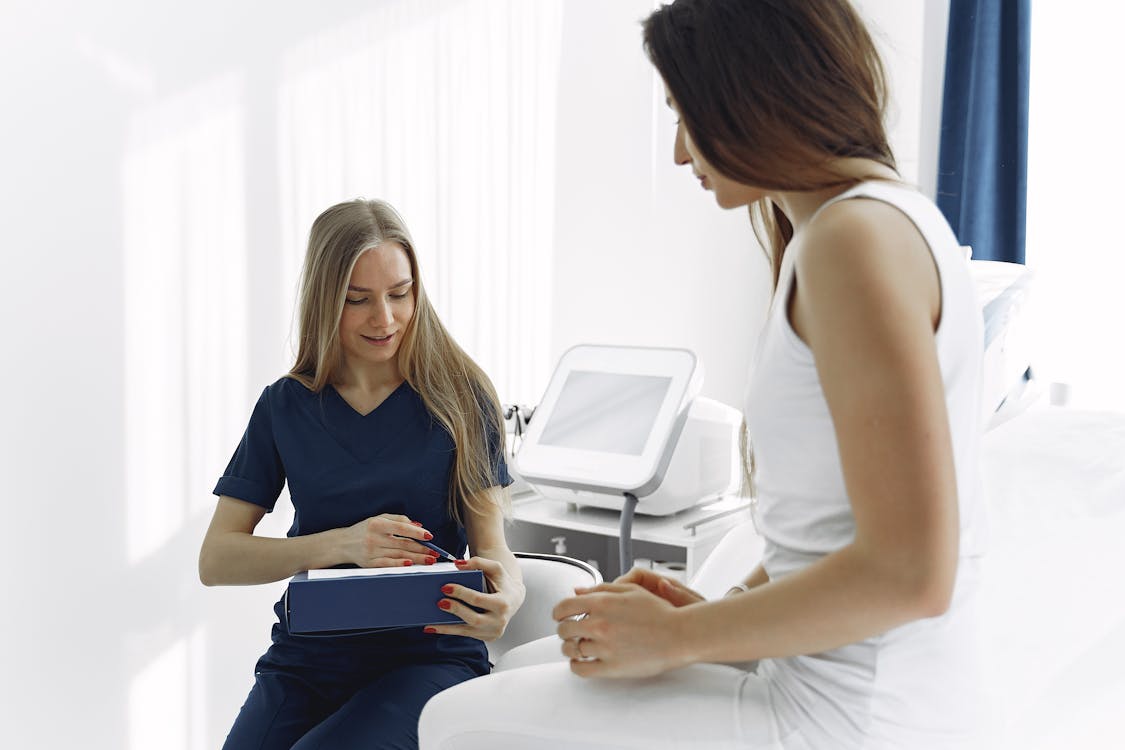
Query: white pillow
pixel 1002 290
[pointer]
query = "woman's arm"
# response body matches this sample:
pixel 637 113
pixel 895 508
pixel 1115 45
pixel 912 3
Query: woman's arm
pixel 490 554
pixel 232 555
pixel 867 308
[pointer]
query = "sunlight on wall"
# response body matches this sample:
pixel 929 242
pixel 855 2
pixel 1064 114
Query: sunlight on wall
pixel 1074 242
pixel 185 310
pixel 450 116
pixel 166 699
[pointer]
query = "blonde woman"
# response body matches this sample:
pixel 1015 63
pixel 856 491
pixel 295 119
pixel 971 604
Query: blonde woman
pixel 383 429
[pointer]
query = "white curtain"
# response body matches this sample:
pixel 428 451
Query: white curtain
pixel 446 109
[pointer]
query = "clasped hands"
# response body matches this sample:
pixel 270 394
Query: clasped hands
pixel 378 542
pixel 632 627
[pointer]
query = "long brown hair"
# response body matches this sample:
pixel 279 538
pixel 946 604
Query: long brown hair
pixel 773 92
pixel 454 388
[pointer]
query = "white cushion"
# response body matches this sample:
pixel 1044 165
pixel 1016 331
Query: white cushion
pixel 548 579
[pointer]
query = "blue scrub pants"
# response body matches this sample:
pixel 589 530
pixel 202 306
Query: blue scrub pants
pixel 284 711
pixel 343 693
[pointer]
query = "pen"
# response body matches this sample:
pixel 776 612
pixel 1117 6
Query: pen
pixel 430 545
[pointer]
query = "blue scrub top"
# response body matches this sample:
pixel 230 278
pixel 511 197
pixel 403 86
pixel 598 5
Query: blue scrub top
pixel 343 467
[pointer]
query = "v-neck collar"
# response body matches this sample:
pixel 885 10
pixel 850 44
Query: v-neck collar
pixel 344 402
pixel 364 436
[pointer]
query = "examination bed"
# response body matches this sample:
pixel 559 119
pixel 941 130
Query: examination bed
pixel 1053 600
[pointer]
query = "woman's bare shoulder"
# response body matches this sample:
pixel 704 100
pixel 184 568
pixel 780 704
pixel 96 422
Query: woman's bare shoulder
pixel 867 247
pixel 864 237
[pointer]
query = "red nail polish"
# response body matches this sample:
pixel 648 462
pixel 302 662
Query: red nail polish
pixel 429 630
pixel 407 562
pixel 447 588
pixel 461 562
pixel 431 560
pixel 416 523
pixel 428 536
pixel 445 604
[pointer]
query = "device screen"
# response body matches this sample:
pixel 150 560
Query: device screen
pixel 606 412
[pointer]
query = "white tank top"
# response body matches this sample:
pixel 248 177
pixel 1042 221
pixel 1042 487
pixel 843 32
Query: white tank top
pixel 917 685
pixel 802 506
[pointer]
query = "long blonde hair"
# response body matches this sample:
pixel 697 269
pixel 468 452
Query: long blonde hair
pixel 453 388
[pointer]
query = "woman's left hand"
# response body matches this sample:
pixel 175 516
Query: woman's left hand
pixel 666 588
pixel 497 607
pixel 621 630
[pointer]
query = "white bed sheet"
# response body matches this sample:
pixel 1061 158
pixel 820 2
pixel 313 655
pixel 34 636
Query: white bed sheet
pixel 1054 593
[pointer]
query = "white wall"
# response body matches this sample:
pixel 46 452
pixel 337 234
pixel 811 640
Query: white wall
pixel 108 646
pixel 1074 195
pixel 643 255
pixel 113 646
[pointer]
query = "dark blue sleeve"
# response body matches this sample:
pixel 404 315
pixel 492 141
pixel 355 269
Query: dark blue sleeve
pixel 255 472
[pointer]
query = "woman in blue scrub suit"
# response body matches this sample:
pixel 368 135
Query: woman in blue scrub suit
pixel 383 429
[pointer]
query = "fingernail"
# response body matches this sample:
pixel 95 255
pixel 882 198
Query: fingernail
pixel 444 604
pixel 416 523
pixel 431 560
pixel 461 562
pixel 407 562
pixel 429 630
pixel 447 588
pixel 428 536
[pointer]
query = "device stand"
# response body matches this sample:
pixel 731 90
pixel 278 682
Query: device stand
pixel 625 543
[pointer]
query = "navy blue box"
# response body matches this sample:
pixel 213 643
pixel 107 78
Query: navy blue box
pixel 357 601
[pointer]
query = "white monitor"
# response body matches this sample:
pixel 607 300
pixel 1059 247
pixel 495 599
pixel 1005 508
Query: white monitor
pixel 610 419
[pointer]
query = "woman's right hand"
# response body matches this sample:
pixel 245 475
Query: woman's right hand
pixel 372 543
pixel 668 589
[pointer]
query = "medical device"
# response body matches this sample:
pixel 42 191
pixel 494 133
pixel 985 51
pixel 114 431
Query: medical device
pixel 623 428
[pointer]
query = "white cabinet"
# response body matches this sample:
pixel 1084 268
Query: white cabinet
pixel 592 533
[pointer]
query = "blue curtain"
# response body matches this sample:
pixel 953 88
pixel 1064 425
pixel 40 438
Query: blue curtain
pixel 982 160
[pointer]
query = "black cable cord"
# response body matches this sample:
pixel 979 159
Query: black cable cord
pixel 512 412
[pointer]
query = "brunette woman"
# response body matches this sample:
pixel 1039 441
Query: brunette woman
pixel 864 421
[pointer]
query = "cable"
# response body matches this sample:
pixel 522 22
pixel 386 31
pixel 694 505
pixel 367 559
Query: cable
pixel 512 413
pixel 625 545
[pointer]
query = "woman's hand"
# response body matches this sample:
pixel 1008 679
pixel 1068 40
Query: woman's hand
pixel 372 543
pixel 668 589
pixel 623 629
pixel 497 607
